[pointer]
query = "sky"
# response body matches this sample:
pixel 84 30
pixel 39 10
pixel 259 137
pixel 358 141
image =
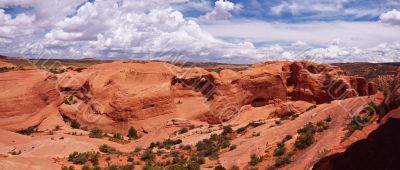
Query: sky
pixel 228 31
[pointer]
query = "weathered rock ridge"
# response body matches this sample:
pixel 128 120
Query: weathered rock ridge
pixel 114 96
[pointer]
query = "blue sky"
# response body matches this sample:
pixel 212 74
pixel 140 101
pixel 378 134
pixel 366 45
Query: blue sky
pixel 239 31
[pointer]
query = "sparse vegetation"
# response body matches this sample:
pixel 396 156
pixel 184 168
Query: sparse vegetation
pixel 148 155
pixel 311 108
pixel 282 160
pixel 306 137
pixel 28 131
pixel 75 124
pixel 132 133
pixel 96 133
pixel 107 149
pixel 79 158
pixel 227 130
pixel 219 167
pixel 3 69
pixel 183 130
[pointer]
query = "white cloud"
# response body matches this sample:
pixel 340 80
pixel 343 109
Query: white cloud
pixel 361 34
pixel 222 10
pixel 296 7
pixel 152 28
pixel 391 17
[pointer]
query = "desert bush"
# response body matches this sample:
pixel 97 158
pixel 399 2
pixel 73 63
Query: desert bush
pixel 75 124
pixel 219 167
pixel 241 130
pixel 148 155
pixel 183 130
pixel 132 133
pixel 306 137
pixel 78 158
pixel 193 166
pixel 279 151
pixel 107 149
pixel 225 144
pixel 282 160
pixel 287 137
pixel 118 136
pixel 28 131
pixel 170 142
pixel 96 133
pixel 227 130
pixel 328 119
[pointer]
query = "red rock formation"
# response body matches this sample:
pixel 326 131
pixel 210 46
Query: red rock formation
pixel 121 94
pixel 27 98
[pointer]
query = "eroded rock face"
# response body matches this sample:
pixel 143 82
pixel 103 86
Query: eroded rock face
pixel 380 150
pixel 27 98
pixel 115 96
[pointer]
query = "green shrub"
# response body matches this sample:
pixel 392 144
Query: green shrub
pixel 78 158
pixel 219 167
pixel 225 144
pixel 118 136
pixel 279 151
pixel 255 123
pixel 75 124
pixel 96 133
pixel 183 130
pixel 107 149
pixel 193 166
pixel 306 137
pixel 95 159
pixel 130 159
pixel 241 130
pixel 28 130
pixel 288 137
pixel 132 133
pixel 282 160
pixel 148 156
pixel 227 130
pixel 328 119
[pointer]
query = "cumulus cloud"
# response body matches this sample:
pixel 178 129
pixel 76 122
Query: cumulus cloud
pixel 391 17
pixel 222 10
pixel 153 29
